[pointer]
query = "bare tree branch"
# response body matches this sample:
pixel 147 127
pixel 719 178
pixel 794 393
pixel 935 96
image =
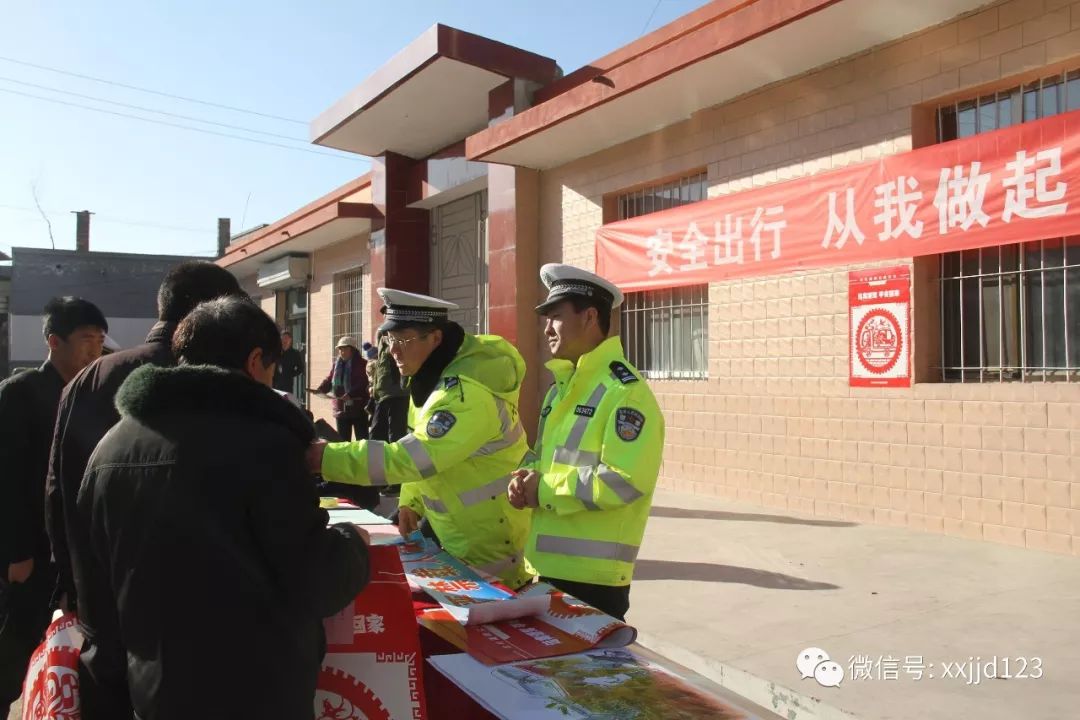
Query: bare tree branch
pixel 48 224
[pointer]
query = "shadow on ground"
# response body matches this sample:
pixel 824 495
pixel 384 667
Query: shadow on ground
pixel 671 512
pixel 708 572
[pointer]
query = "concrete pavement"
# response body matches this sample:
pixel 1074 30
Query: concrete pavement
pixel 735 592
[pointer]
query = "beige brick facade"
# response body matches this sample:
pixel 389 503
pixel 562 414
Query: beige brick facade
pixel 776 423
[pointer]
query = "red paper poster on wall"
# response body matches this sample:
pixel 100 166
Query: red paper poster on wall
pixel 372 667
pixel 879 308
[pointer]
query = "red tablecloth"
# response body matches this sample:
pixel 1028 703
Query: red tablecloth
pixel 445 700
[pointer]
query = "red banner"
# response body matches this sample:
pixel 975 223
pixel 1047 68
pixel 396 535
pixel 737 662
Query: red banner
pixel 1020 183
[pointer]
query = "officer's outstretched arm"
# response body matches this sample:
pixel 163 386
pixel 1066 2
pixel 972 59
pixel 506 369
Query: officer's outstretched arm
pixel 447 432
pixel 623 472
pixel 410 497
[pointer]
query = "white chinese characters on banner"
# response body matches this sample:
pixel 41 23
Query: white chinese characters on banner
pixel 848 227
pixel 898 202
pixel 1018 190
pixel 959 198
pixel 1031 186
pixel 728 243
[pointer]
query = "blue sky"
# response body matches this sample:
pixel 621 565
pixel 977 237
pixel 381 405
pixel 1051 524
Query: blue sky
pixel 290 59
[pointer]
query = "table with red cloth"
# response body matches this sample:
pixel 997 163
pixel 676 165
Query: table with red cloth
pixel 444 698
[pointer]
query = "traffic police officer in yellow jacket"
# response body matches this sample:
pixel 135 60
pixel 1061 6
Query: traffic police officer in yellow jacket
pixel 597 451
pixel 465 438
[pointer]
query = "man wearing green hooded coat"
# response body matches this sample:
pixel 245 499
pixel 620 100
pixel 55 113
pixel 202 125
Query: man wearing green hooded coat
pixel 465 438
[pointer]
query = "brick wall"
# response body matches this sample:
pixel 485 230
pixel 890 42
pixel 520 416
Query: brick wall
pixel 267 299
pixel 345 255
pixel 776 423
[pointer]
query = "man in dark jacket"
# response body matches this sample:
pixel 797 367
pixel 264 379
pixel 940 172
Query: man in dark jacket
pixel 290 367
pixel 218 566
pixel 87 411
pixel 75 332
pixel 389 420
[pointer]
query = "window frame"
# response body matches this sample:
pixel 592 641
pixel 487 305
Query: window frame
pixel 961 118
pixel 355 326
pixel 650 310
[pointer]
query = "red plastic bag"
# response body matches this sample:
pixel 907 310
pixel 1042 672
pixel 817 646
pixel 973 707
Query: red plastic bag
pixel 51 689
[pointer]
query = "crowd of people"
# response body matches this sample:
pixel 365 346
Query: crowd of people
pixel 168 495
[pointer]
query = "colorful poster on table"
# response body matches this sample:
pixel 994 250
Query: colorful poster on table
pixel 565 626
pixel 1016 184
pixel 373 665
pixel 879 320
pixel 614 683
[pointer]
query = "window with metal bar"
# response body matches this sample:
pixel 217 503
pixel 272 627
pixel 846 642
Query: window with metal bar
pixel 665 332
pixel 347 317
pixel 1011 312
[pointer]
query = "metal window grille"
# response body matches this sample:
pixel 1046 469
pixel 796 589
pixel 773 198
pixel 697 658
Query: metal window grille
pixel 348 306
pixel 665 332
pixel 1011 312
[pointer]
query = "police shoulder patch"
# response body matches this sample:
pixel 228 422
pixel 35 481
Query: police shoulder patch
pixel 450 382
pixel 622 373
pixel 440 423
pixel 628 423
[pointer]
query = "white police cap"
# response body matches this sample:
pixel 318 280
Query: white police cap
pixel 566 281
pixel 403 309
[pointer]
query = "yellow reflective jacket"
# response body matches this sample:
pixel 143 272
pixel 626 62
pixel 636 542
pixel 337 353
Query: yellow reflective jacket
pixel 454 465
pixel 598 450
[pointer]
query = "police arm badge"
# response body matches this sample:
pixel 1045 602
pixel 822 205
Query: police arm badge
pixel 628 423
pixel 440 424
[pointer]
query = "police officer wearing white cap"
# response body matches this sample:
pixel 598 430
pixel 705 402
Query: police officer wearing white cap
pixel 465 440
pixel 597 456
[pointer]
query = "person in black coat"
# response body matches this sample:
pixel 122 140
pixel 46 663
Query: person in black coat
pixel 74 330
pixel 290 367
pixel 217 566
pixel 87 409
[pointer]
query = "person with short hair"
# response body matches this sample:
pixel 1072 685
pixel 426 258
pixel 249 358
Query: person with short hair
pixel 291 365
pixel 598 448
pixel 466 438
pixel 206 525
pixel 86 413
pixel 74 331
pixel 390 415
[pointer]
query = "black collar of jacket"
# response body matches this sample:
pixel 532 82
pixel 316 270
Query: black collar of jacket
pixel 152 391
pixel 423 382
pixel 162 332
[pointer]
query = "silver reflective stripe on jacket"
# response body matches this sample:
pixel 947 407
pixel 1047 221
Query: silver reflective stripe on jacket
pixel 509 431
pixel 497 566
pixel 436 505
pixel 578 547
pixel 584 491
pixel 491 491
pixel 570 454
pixel 419 455
pixel 376 462
pixel 577 458
pixel 618 484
